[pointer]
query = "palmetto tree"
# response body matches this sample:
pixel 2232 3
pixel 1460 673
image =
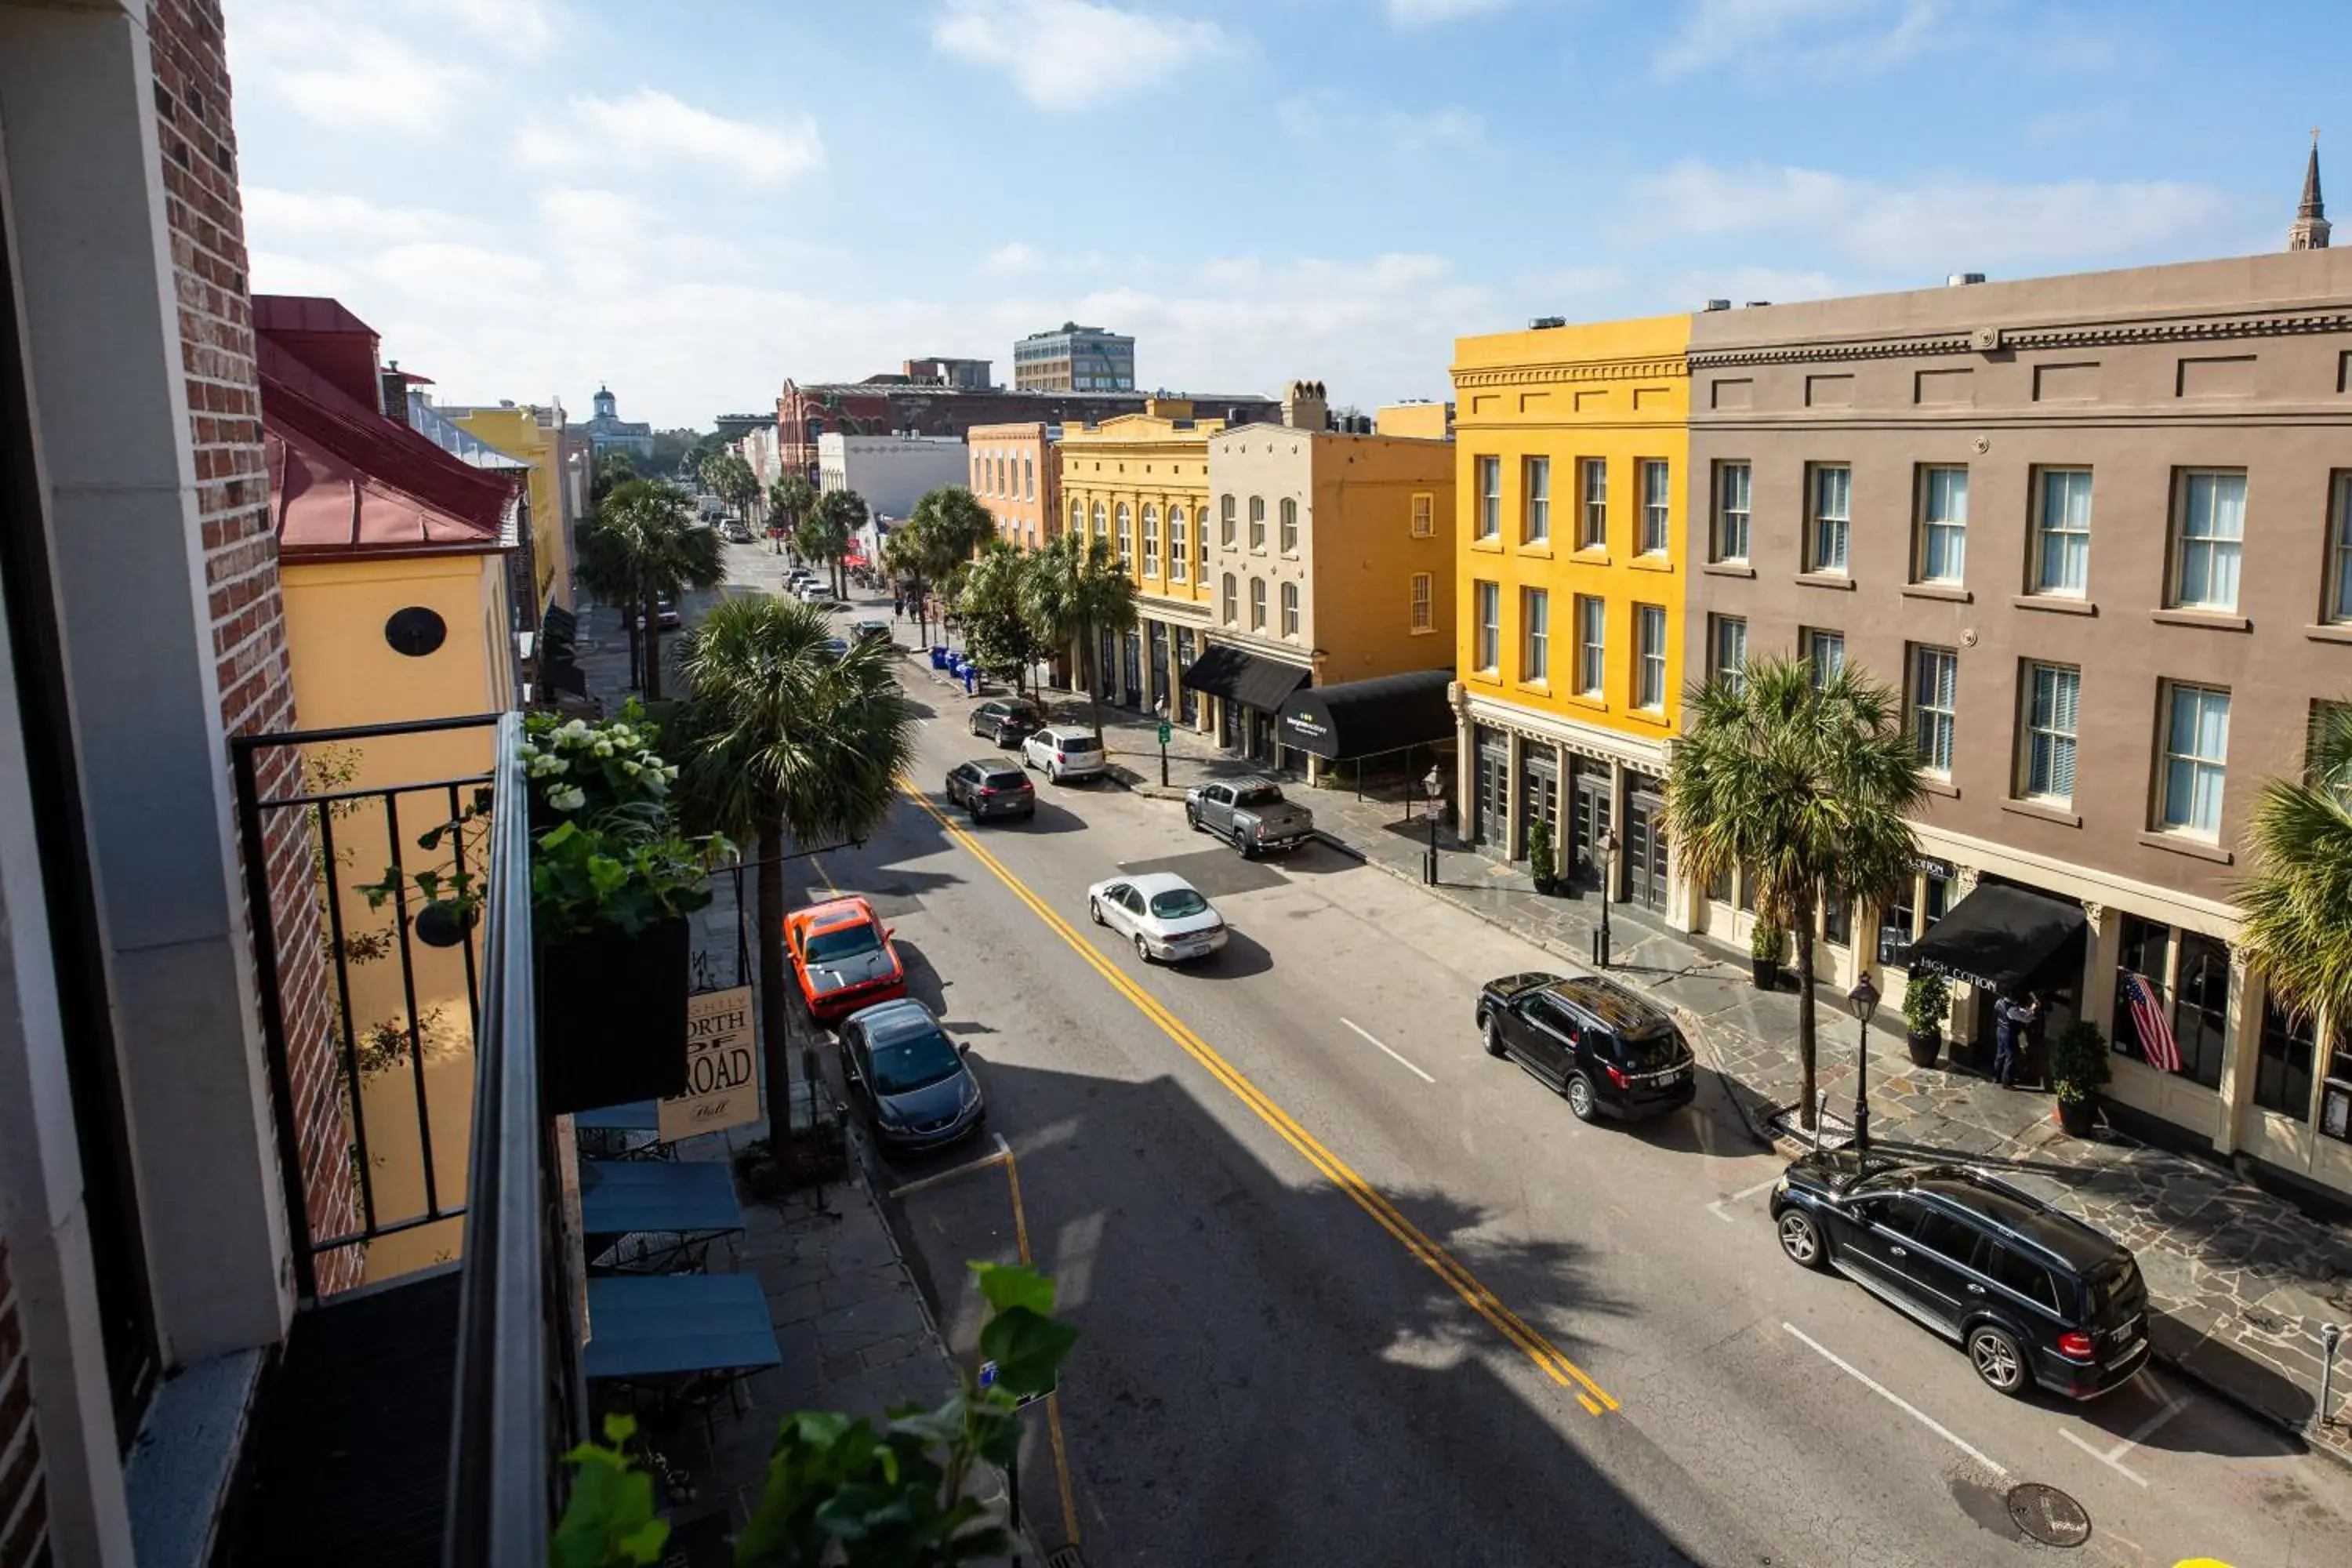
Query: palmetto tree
pixel 643 546
pixel 2298 896
pixel 1806 787
pixel 1074 589
pixel 780 739
pixel 996 626
pixel 789 501
pixel 826 529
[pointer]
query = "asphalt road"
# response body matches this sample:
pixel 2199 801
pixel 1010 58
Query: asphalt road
pixel 1351 1292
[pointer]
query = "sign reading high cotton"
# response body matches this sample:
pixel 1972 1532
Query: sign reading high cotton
pixel 722 1072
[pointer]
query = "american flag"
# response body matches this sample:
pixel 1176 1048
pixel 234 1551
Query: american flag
pixel 2155 1041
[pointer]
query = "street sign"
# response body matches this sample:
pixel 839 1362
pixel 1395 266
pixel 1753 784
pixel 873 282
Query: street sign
pixel 988 1381
pixel 1164 731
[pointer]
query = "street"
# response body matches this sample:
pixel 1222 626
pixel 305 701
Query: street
pixel 1350 1291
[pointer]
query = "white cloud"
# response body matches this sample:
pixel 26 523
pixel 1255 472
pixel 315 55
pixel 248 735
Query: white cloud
pixel 1812 36
pixel 1071 55
pixel 334 66
pixel 273 216
pixel 1416 12
pixel 1324 115
pixel 1013 258
pixel 524 28
pixel 651 130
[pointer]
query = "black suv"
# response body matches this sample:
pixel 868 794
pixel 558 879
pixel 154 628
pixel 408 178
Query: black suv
pixel 1609 1051
pixel 986 787
pixel 1007 720
pixel 2035 1295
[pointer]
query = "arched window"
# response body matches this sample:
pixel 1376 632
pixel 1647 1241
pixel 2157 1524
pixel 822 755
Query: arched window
pixel 1151 541
pixel 1225 521
pixel 1258 604
pixel 1290 526
pixel 1101 528
pixel 1232 603
pixel 1077 517
pixel 1258 522
pixel 1290 609
pixel 1125 533
pixel 1179 561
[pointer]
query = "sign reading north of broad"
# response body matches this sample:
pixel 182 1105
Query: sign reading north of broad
pixel 722 1070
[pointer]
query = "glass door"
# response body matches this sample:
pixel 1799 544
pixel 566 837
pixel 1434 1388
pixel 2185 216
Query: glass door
pixel 1590 818
pixel 1645 851
pixel 1491 802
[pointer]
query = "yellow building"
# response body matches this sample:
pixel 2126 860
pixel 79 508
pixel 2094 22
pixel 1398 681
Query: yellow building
pixel 536 437
pixel 1572 449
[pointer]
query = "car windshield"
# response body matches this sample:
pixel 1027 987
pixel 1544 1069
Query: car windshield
pixel 1264 794
pixel 914 1060
pixel 848 941
pixel 1176 904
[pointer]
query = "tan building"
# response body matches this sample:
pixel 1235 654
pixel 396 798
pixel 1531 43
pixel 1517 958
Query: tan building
pixel 2098 532
pixel 1329 562
pixel 1014 474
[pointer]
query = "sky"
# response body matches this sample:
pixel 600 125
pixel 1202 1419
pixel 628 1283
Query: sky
pixel 692 200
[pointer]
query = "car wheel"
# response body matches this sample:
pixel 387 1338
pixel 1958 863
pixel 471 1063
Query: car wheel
pixel 973 812
pixel 1143 948
pixel 1494 1032
pixel 1192 819
pixel 1998 1359
pixel 1581 1103
pixel 1094 912
pixel 1801 1238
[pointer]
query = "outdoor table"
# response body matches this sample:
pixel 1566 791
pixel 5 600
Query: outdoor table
pixel 687 1202
pixel 613 1130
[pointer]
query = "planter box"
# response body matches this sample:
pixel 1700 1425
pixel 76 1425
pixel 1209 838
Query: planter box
pixel 1766 971
pixel 2078 1116
pixel 1925 1047
pixel 612 1018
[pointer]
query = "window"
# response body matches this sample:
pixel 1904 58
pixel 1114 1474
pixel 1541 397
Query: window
pixel 1538 529
pixel 1202 543
pixel 2200 1007
pixel 2052 694
pixel 1535 641
pixel 1591 646
pixel 1258 522
pixel 1290 609
pixel 1943 524
pixel 1232 598
pixel 1289 523
pixel 1824 650
pixel 1224 522
pixel 1731 486
pixel 2282 1074
pixel 1151 541
pixel 1178 561
pixel 1423 607
pixel 1077 517
pixel 1592 485
pixel 1490 498
pixel 2025 1277
pixel 2209 525
pixel 1832 517
pixel 1258 604
pixel 2196 750
pixel 2061 532
pixel 1424 515
pixel 1657 488
pixel 1489 653
pixel 1102 529
pixel 1650 657
pixel 1126 534
pixel 1028 479
pixel 1727 641
pixel 1941 1233
pixel 1935 682
pixel 2339 553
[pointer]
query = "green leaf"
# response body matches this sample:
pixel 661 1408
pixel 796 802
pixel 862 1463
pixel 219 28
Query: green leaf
pixel 1027 1348
pixel 1008 1284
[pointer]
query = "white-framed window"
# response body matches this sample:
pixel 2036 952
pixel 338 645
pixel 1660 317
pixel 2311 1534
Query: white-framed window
pixel 1231 596
pixel 2209 528
pixel 1179 559
pixel 1290 610
pixel 1028 479
pixel 2046 762
pixel 1592 493
pixel 1077 517
pixel 2196 759
pixel 1490 498
pixel 2061 532
pixel 1488 603
pixel 1535 635
pixel 1424 514
pixel 1537 481
pixel 1935 699
pixel 1832 518
pixel 1126 534
pixel 1657 507
pixel 1824 650
pixel 1287 520
pixel 1732 486
pixel 1591 646
pixel 1102 523
pixel 1726 641
pixel 2339 551
pixel 1424 606
pixel 1201 543
pixel 1258 604
pixel 1650 657
pixel 1943 524
pixel 1258 522
pixel 1150 540
pixel 1225 521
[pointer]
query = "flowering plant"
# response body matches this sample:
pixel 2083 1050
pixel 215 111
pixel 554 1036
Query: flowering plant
pixel 580 771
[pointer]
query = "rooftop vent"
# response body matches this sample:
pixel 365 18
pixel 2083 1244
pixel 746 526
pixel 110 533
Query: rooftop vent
pixel 1756 304
pixel 1542 322
pixel 1718 304
pixel 1962 280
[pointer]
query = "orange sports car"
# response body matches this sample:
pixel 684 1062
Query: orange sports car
pixel 843 956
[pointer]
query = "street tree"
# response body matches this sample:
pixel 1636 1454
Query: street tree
pixel 731 479
pixel 936 544
pixel 1804 785
pixel 612 469
pixel 2298 895
pixel 827 528
pixel 1074 589
pixel 997 630
pixel 782 739
pixel 789 501
pixel 645 546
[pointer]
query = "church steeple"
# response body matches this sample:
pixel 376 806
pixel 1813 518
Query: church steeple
pixel 2310 229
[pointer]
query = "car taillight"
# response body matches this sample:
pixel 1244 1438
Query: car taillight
pixel 988 789
pixel 1616 1075
pixel 1060 758
pixel 2074 1346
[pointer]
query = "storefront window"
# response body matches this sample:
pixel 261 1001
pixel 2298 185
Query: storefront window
pixel 1718 887
pixel 1895 924
pixel 2201 1009
pixel 2283 1074
pixel 1837 920
pixel 1746 893
pixel 2144 953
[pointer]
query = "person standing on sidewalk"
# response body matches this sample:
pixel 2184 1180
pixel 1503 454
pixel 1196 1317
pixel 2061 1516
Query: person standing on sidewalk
pixel 2011 1017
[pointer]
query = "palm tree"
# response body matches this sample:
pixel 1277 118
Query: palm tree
pixel 646 546
pixel 1806 787
pixel 952 525
pixel 780 739
pixel 2298 894
pixel 789 501
pixel 826 529
pixel 997 630
pixel 1075 588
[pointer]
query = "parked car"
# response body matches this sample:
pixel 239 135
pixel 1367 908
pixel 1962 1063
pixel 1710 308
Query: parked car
pixel 813 592
pixel 912 1076
pixel 870 630
pixel 1610 1052
pixel 798 576
pixel 986 787
pixel 1252 814
pixel 737 534
pixel 1163 914
pixel 841 956
pixel 836 649
pixel 1007 720
pixel 666 613
pixel 1063 752
pixel 2035 1296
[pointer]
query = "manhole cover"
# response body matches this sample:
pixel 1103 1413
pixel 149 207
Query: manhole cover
pixel 2048 1515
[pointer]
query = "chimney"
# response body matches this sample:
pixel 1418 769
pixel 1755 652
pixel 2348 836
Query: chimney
pixel 392 393
pixel 1304 407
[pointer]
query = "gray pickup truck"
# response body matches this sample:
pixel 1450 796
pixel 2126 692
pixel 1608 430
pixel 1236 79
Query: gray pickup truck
pixel 1249 813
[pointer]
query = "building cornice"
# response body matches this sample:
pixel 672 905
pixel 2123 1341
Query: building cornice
pixel 1585 739
pixel 2190 327
pixel 1673 367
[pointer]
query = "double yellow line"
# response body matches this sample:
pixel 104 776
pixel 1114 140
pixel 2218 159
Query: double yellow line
pixel 1545 1355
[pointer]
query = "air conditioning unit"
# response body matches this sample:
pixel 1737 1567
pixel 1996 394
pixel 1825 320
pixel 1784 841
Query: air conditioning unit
pixel 1718 304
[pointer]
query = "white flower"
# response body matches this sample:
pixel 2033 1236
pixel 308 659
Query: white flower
pixel 570 798
pixel 604 748
pixel 576 726
pixel 632 769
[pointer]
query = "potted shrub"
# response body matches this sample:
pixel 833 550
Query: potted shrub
pixel 1765 944
pixel 1927 1001
pixel 1539 859
pixel 2078 1070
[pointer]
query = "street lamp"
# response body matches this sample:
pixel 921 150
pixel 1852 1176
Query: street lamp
pixel 1864 1000
pixel 1604 843
pixel 1432 785
pixel 1160 707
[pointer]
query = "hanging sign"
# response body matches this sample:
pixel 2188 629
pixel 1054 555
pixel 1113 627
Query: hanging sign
pixel 722 1074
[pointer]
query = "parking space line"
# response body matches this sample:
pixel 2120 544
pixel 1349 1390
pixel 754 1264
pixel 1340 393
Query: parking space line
pixel 1896 1400
pixel 1003 1151
pixel 2108 1460
pixel 1715 1208
pixel 1391 1055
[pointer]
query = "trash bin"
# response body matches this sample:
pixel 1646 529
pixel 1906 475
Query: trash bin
pixel 970 677
pixel 939 656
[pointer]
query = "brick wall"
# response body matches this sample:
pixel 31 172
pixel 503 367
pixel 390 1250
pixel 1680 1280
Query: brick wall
pixel 23 1510
pixel 207 223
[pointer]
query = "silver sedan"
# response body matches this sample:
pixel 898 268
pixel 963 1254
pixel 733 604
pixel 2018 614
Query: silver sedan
pixel 1164 915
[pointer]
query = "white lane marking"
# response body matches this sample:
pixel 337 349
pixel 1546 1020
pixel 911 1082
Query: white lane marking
pixel 2107 1459
pixel 1929 1421
pixel 2113 1457
pixel 1393 1055
pixel 1715 1208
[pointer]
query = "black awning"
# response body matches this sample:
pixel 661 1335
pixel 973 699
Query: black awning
pixel 1225 670
pixel 1366 718
pixel 1999 936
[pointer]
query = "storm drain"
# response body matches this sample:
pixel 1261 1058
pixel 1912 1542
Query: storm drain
pixel 2048 1515
pixel 1067 1557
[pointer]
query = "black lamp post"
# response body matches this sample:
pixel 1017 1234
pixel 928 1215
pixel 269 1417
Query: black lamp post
pixel 1864 1000
pixel 1604 843
pixel 1432 785
pixel 1160 707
